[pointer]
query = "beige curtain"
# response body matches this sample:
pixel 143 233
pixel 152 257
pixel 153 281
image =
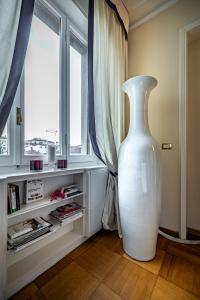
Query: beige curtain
pixel 109 72
pixel 9 19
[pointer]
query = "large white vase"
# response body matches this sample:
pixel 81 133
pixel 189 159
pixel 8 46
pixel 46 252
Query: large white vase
pixel 139 175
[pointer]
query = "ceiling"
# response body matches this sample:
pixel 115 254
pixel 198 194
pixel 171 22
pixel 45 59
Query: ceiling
pixel 194 34
pixel 138 9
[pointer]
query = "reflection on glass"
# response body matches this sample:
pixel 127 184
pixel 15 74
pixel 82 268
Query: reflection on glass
pixel 41 90
pixel 4 142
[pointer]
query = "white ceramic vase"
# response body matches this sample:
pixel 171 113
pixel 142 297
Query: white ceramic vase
pixel 139 175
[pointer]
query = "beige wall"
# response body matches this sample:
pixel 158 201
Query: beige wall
pixel 193 217
pixel 154 50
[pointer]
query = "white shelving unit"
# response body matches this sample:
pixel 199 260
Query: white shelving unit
pixel 29 210
pixel 18 268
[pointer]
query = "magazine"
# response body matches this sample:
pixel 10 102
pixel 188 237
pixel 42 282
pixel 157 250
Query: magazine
pixel 66 211
pixel 24 233
pixel 70 190
pixel 25 227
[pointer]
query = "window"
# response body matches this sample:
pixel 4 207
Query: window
pixel 41 90
pixel 4 149
pixel 52 96
pixel 78 97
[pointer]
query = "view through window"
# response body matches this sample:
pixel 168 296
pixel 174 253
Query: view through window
pixel 41 90
pixel 43 99
pixel 78 83
pixel 4 142
pixel 75 101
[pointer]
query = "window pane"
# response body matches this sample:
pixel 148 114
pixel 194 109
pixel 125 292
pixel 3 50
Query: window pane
pixel 41 89
pixel 75 101
pixel 4 142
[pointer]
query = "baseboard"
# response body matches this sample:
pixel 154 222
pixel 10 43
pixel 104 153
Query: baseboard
pixel 192 234
pixel 170 232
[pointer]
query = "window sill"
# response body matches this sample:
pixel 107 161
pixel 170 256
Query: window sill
pixel 16 173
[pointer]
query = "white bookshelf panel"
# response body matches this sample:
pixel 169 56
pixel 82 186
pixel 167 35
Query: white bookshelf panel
pixel 72 224
pixel 24 266
pixel 32 266
pixel 39 208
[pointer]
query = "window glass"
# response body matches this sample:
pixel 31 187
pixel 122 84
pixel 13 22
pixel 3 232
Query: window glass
pixel 4 142
pixel 75 101
pixel 78 109
pixel 41 90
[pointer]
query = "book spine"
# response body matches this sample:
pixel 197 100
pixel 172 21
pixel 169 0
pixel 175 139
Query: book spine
pixel 17 197
pixel 25 192
pixel 9 201
pixel 13 199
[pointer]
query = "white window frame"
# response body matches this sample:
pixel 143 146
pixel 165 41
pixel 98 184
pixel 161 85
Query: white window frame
pixel 85 141
pixel 25 159
pixel 69 23
pixel 13 133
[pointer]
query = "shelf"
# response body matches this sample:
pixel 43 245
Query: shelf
pixel 28 209
pixel 33 241
pixel 33 246
pixel 32 266
pixel 26 174
pixel 21 267
pixel 70 219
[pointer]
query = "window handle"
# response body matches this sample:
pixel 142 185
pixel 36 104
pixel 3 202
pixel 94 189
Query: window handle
pixel 18 116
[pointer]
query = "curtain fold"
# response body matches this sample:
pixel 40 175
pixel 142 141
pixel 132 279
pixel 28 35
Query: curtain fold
pixel 15 24
pixel 107 65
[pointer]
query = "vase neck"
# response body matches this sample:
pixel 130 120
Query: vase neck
pixel 139 113
pixel 138 89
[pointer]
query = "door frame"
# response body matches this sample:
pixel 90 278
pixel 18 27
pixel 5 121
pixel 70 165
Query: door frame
pixel 183 121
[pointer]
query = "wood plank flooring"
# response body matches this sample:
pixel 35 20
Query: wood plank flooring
pixel 100 270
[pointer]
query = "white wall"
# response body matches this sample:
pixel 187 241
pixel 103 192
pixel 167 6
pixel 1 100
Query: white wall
pixel 154 50
pixel 193 195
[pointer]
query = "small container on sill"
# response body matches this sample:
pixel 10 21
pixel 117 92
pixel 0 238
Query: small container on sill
pixel 61 163
pixel 36 165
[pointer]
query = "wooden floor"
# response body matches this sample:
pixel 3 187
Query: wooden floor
pixel 99 270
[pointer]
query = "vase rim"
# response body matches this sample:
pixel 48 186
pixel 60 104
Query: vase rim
pixel 150 80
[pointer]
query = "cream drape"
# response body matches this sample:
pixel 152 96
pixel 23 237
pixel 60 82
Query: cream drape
pixel 109 72
pixel 9 19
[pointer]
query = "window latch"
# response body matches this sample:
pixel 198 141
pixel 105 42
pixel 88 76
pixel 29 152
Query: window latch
pixel 18 116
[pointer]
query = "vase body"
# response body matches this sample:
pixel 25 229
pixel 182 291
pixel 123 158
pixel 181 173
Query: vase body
pixel 139 175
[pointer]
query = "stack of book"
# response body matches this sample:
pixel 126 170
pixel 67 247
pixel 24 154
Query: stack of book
pixel 70 190
pixel 62 213
pixel 13 198
pixel 65 192
pixel 19 235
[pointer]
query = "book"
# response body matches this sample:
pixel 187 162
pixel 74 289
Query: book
pixel 27 226
pixel 70 190
pixel 15 244
pixel 26 244
pixel 9 202
pixel 13 198
pixel 65 192
pixel 62 221
pixel 19 229
pixel 34 191
pixel 25 232
pixel 17 197
pixel 66 211
pixel 25 236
